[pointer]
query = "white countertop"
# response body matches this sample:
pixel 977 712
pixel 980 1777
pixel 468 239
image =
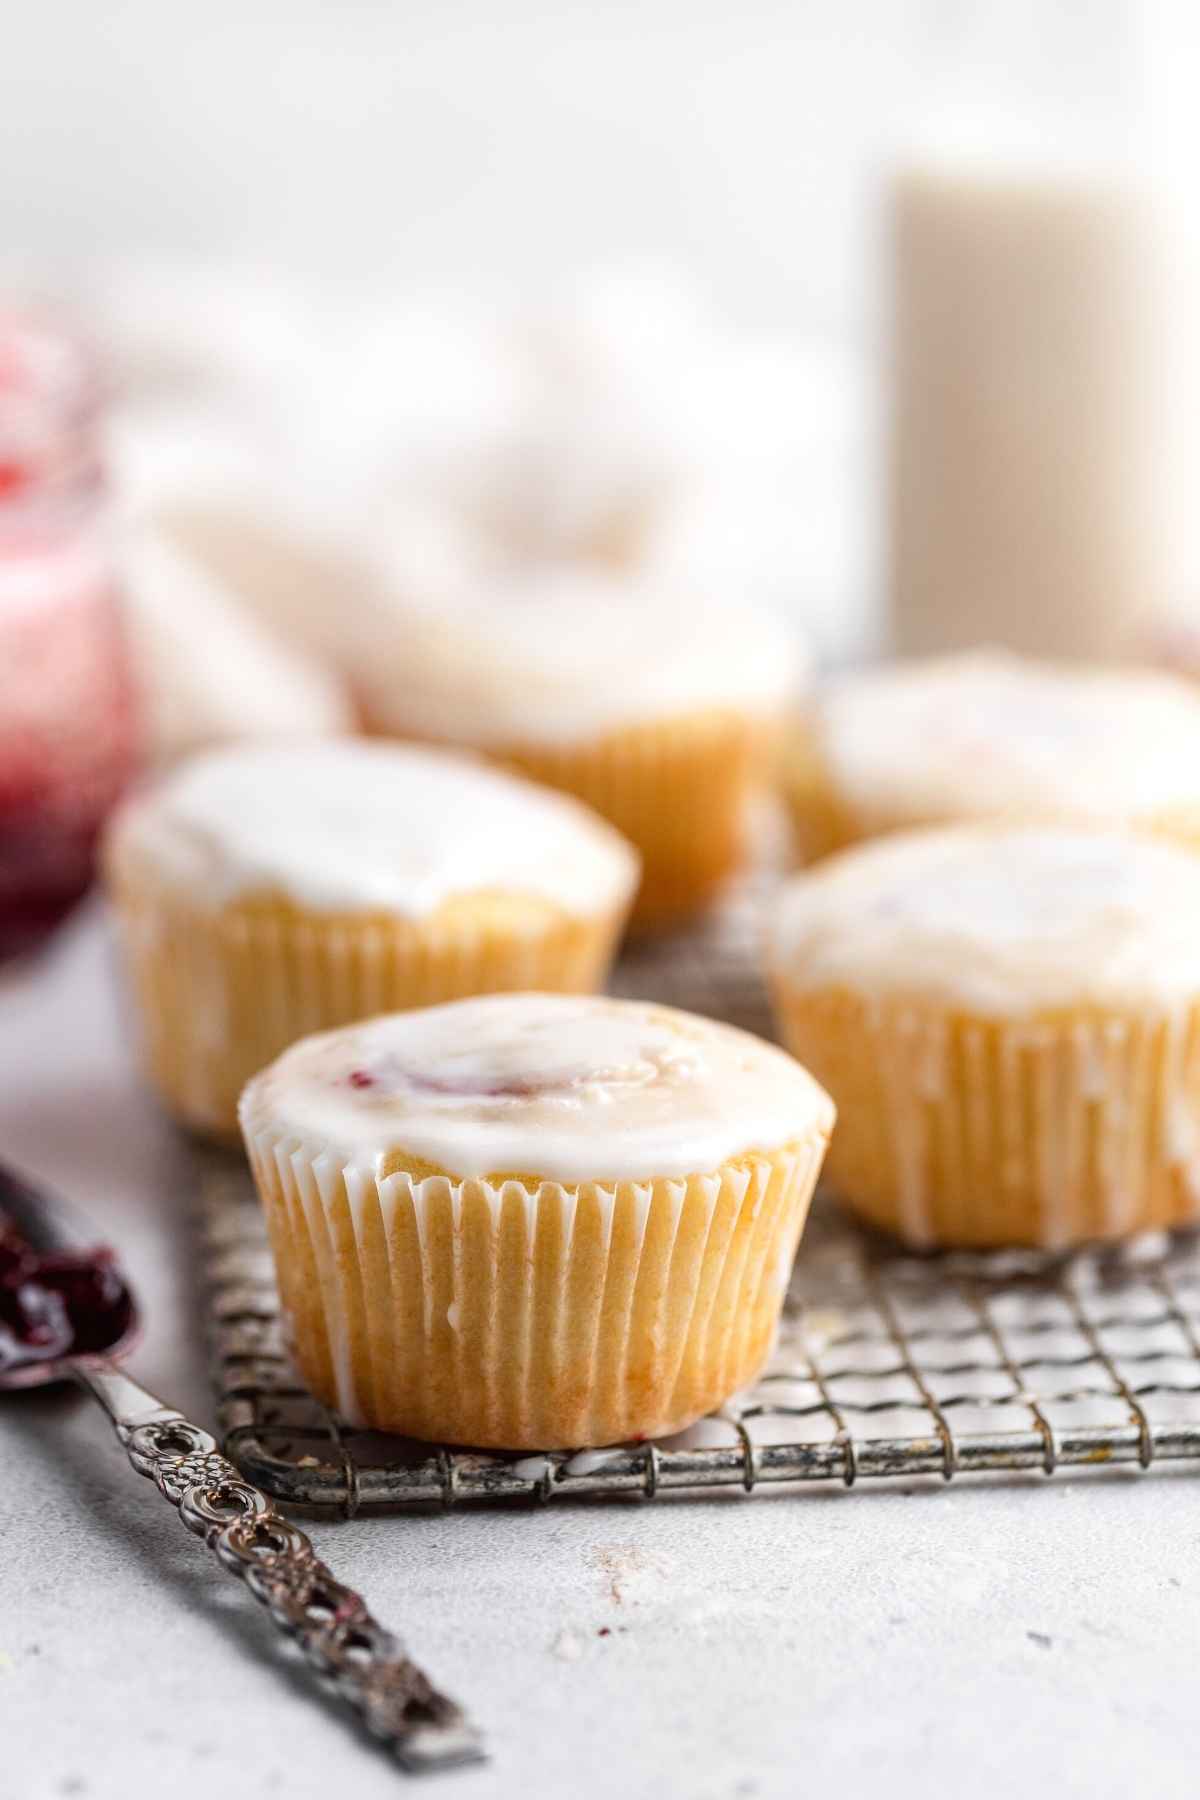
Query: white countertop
pixel 1032 1636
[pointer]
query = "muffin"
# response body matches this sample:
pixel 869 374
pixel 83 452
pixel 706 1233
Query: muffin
pixel 531 1220
pixel 1009 1022
pixel 266 892
pixel 661 716
pixel 987 736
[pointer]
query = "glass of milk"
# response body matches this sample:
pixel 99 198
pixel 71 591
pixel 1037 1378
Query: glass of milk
pixel 1030 344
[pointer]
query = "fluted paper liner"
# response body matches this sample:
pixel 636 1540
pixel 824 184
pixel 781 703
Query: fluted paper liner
pixel 222 993
pixel 530 1315
pixel 821 823
pixel 955 1129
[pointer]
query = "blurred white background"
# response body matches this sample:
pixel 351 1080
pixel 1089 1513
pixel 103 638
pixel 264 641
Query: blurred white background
pixel 457 144
pixel 463 139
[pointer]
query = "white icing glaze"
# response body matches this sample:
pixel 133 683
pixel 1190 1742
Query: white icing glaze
pixel 349 825
pixel 566 1088
pixel 563 656
pixel 1001 921
pixel 987 735
pixel 534 1468
pixel 589 1462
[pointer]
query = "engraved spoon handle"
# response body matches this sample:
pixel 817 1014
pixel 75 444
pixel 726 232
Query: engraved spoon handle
pixel 366 1664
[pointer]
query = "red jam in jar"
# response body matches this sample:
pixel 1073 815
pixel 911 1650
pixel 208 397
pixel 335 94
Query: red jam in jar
pixel 67 728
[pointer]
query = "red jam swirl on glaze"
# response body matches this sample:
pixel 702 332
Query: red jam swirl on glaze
pixel 389 1078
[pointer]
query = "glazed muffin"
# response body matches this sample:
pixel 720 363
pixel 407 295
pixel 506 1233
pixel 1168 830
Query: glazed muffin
pixel 662 717
pixel 533 1221
pixel 1009 1022
pixel 264 893
pixel 987 736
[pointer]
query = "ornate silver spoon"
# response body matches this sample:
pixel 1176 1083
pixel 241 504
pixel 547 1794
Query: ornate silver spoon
pixel 67 1311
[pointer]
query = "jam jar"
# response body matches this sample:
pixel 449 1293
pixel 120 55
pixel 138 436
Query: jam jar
pixel 67 724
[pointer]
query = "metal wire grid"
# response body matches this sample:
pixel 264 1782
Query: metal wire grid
pixel 888 1364
pixel 712 969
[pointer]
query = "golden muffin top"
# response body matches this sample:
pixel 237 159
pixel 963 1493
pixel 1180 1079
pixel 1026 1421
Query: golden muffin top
pixel 568 655
pixel 569 1088
pixel 989 735
pixel 350 825
pixel 998 920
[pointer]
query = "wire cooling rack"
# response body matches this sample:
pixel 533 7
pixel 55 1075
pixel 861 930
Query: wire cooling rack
pixel 888 1363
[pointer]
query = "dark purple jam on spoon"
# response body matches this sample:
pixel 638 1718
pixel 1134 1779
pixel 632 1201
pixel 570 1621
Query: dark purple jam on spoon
pixel 57 1303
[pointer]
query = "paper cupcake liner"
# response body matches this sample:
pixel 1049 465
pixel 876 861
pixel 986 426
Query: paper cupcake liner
pixel 967 1131
pixel 678 789
pixel 221 994
pixel 530 1315
pixel 820 824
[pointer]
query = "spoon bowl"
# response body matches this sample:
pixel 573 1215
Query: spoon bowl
pixel 63 1295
